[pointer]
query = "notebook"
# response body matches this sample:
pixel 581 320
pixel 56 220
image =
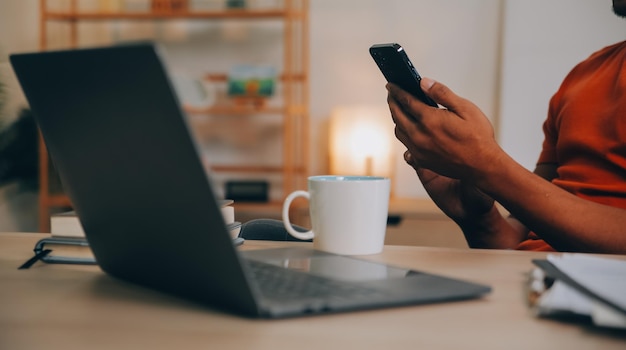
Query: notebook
pixel 116 134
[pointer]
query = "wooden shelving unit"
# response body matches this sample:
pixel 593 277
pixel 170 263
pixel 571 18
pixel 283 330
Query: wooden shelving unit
pixel 293 80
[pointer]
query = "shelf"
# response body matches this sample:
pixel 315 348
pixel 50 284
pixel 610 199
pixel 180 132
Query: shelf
pixel 59 200
pixel 244 105
pixel 260 206
pixel 235 110
pixel 291 104
pixel 243 110
pixel 219 77
pixel 218 14
pixel 253 169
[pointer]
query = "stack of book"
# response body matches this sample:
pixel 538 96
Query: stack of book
pixel 67 224
pixel 68 244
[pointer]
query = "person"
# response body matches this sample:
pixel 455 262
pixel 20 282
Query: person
pixel 576 198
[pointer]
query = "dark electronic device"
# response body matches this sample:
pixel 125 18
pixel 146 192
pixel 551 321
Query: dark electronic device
pixel 247 190
pixel 398 69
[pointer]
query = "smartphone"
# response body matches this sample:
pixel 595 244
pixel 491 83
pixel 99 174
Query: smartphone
pixel 398 69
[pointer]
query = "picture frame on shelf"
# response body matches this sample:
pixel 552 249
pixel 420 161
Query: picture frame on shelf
pixel 251 80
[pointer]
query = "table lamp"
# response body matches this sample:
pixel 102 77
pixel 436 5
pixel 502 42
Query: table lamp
pixel 361 139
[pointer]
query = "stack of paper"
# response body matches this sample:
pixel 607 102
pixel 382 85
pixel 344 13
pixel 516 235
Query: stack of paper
pixel 584 285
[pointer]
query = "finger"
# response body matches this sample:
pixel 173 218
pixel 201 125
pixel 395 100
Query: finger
pixel 410 160
pixel 408 123
pixel 441 94
pixel 394 108
pixel 407 157
pixel 403 137
pixel 405 101
pixel 426 176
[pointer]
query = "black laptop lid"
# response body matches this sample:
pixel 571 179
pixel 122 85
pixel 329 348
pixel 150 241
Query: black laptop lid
pixel 126 158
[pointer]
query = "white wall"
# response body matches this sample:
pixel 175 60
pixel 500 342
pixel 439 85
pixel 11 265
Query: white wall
pixel 454 41
pixel 544 40
pixel 19 31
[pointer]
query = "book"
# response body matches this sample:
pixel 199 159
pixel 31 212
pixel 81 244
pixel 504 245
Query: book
pixel 76 250
pixel 61 250
pixel 67 224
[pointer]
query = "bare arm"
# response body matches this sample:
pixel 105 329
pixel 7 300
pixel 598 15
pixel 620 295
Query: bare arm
pixel 566 222
pixel 545 171
pixel 458 143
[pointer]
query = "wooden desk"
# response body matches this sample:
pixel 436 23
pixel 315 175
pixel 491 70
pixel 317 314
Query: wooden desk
pixel 78 307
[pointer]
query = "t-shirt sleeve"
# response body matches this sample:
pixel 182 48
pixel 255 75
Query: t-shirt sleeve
pixel 550 133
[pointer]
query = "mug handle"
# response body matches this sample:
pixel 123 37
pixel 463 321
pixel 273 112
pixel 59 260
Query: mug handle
pixel 300 235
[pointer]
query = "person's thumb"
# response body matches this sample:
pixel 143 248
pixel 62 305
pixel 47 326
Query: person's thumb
pixel 441 94
pixel 425 175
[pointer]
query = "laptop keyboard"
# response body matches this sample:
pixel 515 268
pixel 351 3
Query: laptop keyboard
pixel 278 282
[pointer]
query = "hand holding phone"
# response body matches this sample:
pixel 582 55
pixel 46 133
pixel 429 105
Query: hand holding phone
pixel 398 69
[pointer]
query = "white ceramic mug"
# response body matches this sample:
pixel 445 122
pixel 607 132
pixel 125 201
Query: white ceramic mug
pixel 348 213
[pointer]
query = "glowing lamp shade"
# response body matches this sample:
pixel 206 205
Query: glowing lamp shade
pixel 361 141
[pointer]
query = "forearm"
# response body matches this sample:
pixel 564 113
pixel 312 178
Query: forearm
pixel 566 222
pixel 493 231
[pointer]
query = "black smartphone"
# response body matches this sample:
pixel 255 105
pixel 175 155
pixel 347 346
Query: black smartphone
pixel 398 69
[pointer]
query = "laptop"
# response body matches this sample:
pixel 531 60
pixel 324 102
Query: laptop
pixel 120 142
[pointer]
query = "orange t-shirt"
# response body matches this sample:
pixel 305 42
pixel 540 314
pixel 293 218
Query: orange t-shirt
pixel 585 132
